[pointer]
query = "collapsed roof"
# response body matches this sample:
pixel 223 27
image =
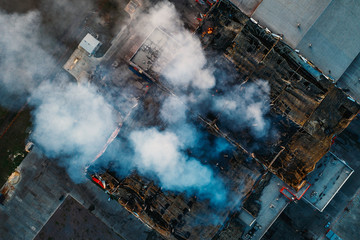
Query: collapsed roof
pixel 313 108
pixel 306 107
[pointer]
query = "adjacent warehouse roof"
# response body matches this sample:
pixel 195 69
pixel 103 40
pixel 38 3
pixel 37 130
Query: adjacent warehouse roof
pixel 326 32
pixel 334 38
pixel 326 180
pixel 290 17
pixel 89 43
pixel 350 80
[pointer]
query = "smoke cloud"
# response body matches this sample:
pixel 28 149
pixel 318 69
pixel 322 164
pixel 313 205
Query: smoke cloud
pixel 23 62
pixel 188 66
pixel 245 106
pixel 173 111
pixel 192 77
pixel 72 123
pixel 161 153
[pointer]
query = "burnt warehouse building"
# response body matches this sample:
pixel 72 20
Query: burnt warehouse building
pixel 306 107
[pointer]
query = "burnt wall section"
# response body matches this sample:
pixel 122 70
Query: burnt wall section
pixel 314 108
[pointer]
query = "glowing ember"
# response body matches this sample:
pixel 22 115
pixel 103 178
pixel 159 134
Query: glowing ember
pixel 210 30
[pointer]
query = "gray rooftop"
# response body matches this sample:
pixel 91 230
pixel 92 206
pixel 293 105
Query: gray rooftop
pixel 326 32
pixel 350 80
pixel 273 203
pixel 334 38
pixel 155 52
pixel 326 180
pixel 246 217
pixel 89 43
pixel 283 17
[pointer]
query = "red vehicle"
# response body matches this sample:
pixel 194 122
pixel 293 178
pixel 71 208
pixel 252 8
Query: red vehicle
pixel 99 182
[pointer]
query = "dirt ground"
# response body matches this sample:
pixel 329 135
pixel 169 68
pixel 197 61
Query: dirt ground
pixel 73 221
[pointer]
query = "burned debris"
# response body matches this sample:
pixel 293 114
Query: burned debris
pixel 312 110
pixel 262 173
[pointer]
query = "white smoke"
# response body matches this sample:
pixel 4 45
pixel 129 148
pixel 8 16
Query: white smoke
pixel 161 153
pixel 162 14
pixel 23 63
pixel 188 68
pixel 189 64
pixel 246 106
pixel 72 123
pixel 173 111
pixel 239 107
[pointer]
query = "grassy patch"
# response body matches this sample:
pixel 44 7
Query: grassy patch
pixel 12 143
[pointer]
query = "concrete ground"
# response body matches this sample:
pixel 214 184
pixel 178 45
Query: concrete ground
pixel 69 218
pixel 347 224
pixel 40 192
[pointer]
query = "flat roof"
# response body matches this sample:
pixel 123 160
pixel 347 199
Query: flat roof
pixel 154 53
pixel 273 203
pixel 247 7
pixel 89 43
pixel 247 217
pixel 83 224
pixel 326 180
pixel 326 32
pixel 79 63
pixel 283 17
